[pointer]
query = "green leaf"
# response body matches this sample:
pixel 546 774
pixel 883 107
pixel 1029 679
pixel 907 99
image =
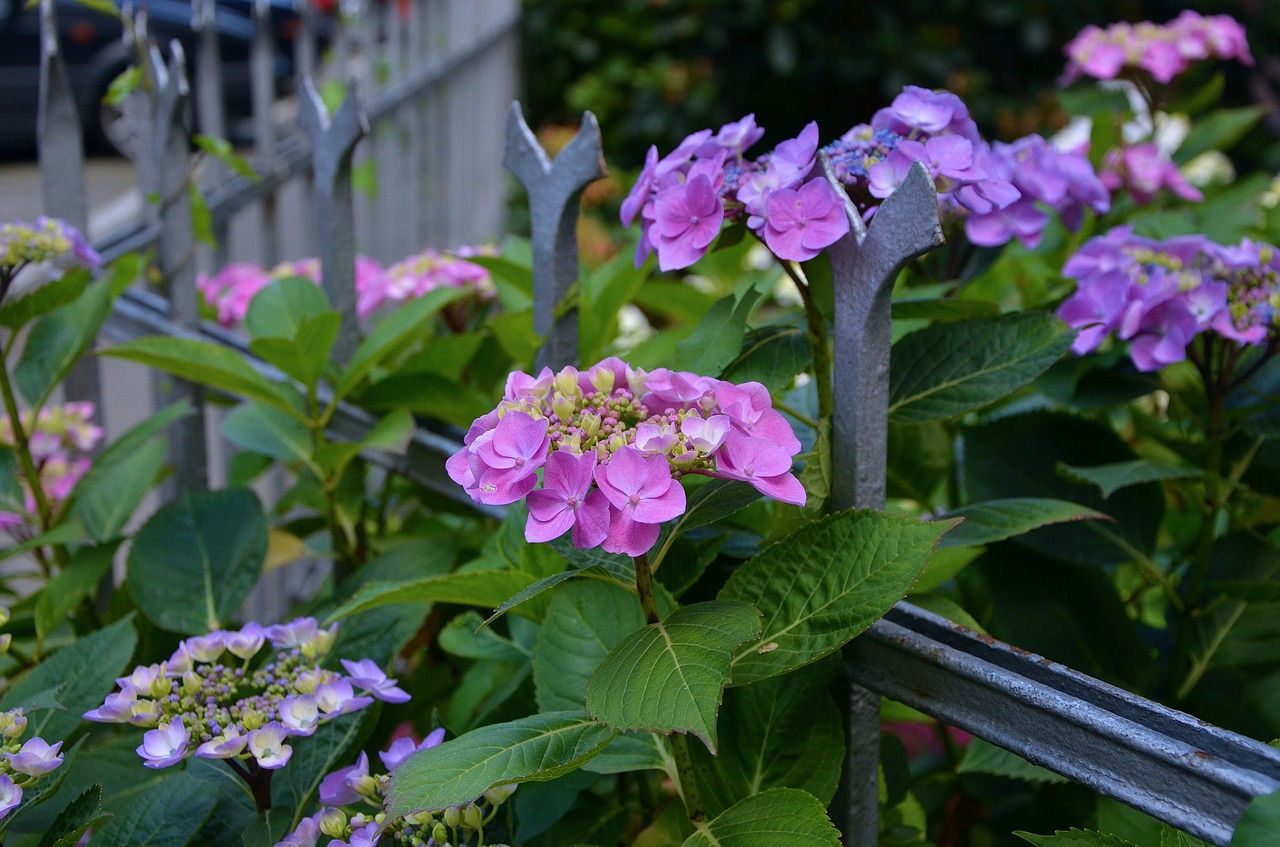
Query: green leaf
pixel 166 811
pixel 207 364
pixel 83 673
pixel 779 816
pixel 942 309
pixel 282 308
pixel 532 749
pixel 221 149
pixel 996 520
pixel 585 620
pixel 74 583
pixel 194 562
pixel 107 497
pixel 784 732
pixel 602 293
pixel 1112 477
pixel 772 356
pixel 124 84
pixel 67 532
pixel 824 584
pixel 945 370
pixel 984 757
pixel 391 433
pixel 483 588
pixel 676 300
pixel 1075 838
pixel 670 676
pixel 1221 129
pixel 263 429
pixel 707 504
pixel 201 217
pixel 1018 456
pixel 72 822
pixel 438 397
pixel 391 335
pixel 715 342
pixel 1259 823
pixel 305 357
pixel 58 340
pixel 16 313
pixel 463 636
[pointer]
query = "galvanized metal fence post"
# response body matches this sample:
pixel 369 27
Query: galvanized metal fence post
pixel 554 191
pixel 61 151
pixel 166 147
pixel 333 139
pixel 864 265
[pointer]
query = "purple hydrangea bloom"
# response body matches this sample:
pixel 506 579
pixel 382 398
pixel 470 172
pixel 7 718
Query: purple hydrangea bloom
pixel 803 222
pixel 687 219
pixel 36 757
pixel 164 746
pixel 643 495
pixel 338 788
pixel 403 748
pixel 566 501
pixel 367 675
pixel 10 795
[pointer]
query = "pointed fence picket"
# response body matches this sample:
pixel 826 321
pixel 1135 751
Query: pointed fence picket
pixel 434 130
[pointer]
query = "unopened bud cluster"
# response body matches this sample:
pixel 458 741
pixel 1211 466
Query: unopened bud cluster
pixel 212 700
pixel 352 811
pixel 47 240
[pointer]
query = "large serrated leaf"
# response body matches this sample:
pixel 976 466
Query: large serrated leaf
pixel 996 520
pixel 947 369
pixel 783 732
pixel 194 562
pixel 1075 838
pixel 486 589
pixel 670 676
pixel 106 499
pixel 80 814
pixel 83 674
pixel 532 749
pixel 824 584
pixel 772 818
pixel 1259 823
pixel 772 356
pixel 166 811
pixel 31 305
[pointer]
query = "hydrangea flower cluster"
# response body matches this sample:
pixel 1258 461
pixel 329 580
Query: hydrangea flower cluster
pixel 22 764
pixel 1159 295
pixel 47 240
pixel 230 291
pixel 203 702
pixel 1000 191
pixel 683 198
pixel 1163 51
pixel 58 436
pixel 1143 169
pixel 613 442
pixel 353 799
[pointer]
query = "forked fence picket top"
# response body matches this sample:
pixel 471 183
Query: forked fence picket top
pixel 1164 762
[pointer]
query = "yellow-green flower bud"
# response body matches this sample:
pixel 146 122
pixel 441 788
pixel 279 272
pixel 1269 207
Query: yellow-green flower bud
pixel 252 720
pixel 451 817
pixel 563 407
pixel 500 793
pixel 5 641
pixel 566 383
pixel 144 713
pixel 191 683
pixel 4 615
pixel 365 786
pixel 603 380
pixel 439 833
pixel 333 823
pixel 472 817
pixel 590 423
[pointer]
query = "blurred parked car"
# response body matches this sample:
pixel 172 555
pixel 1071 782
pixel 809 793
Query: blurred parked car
pixel 95 54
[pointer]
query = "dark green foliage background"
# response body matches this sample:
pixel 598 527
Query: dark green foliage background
pixel 656 70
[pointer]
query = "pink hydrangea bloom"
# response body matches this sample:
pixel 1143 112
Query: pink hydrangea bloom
pixel 1163 51
pixel 614 443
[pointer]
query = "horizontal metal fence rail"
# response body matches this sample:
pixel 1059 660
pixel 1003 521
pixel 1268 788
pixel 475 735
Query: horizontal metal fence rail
pixel 1166 763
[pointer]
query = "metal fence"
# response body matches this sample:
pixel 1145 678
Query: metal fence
pixel 1166 763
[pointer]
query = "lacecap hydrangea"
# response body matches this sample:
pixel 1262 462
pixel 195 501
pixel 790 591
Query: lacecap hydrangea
pixel 212 700
pixel 613 442
pixel 1160 295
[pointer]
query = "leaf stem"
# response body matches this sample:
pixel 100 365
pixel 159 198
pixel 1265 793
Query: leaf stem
pixel 644 587
pixel 688 784
pixel 817 343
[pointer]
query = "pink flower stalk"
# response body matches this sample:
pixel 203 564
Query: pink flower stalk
pixel 614 443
